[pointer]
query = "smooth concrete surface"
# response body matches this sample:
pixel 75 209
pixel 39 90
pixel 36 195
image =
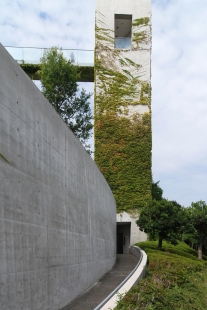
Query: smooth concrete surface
pixel 57 213
pixel 125 263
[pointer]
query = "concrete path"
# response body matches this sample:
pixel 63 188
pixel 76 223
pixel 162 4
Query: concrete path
pixel 125 263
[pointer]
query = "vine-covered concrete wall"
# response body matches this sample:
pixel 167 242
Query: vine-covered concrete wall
pixel 123 103
pixel 57 212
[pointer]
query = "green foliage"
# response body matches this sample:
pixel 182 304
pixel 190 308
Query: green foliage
pixel 30 68
pixel 84 73
pixel 140 30
pixel 145 94
pixel 163 219
pixel 143 21
pixel 198 218
pixel 119 144
pixel 122 141
pixel 59 85
pixel 198 212
pixel 181 249
pixel 139 37
pixel 175 279
pixel 156 191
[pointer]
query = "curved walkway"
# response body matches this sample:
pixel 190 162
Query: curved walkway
pixel 125 263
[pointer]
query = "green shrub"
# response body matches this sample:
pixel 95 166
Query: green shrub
pixel 175 279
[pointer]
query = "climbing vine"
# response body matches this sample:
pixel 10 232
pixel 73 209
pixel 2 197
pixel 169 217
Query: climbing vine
pixel 123 138
pixel 141 33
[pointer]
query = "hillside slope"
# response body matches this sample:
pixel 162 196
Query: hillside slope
pixel 175 279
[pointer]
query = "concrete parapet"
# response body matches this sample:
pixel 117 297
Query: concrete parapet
pixel 132 279
pixel 57 212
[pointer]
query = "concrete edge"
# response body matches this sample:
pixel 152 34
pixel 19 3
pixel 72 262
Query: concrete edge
pixel 137 275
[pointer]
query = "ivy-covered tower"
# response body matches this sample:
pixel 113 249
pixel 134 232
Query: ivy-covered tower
pixel 123 106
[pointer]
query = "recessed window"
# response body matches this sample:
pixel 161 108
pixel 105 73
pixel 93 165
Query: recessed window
pixel 123 31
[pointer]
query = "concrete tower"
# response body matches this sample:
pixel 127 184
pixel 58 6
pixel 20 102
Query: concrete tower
pixel 123 108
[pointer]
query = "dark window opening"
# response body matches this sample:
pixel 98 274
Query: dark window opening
pixel 123 31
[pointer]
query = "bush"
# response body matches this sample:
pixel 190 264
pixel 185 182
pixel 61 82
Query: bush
pixel 175 279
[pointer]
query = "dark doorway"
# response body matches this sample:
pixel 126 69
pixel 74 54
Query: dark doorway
pixel 119 243
pixel 123 237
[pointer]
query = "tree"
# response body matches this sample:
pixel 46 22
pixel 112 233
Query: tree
pixel 163 219
pixel 59 85
pixel 198 217
pixel 156 191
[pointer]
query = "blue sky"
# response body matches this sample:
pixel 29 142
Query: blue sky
pixel 179 77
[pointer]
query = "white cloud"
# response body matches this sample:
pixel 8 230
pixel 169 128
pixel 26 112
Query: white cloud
pixel 68 24
pixel 179 74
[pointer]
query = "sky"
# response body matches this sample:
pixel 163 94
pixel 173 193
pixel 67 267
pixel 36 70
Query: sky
pixel 179 77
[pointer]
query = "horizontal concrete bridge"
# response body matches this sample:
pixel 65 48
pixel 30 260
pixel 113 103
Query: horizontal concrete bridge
pixel 29 60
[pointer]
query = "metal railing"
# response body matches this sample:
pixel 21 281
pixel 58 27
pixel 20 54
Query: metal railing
pixel 34 54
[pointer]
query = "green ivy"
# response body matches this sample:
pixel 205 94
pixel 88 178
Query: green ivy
pixel 122 142
pixel 143 21
pixel 141 33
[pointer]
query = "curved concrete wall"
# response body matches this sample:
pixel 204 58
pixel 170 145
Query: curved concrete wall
pixel 57 213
